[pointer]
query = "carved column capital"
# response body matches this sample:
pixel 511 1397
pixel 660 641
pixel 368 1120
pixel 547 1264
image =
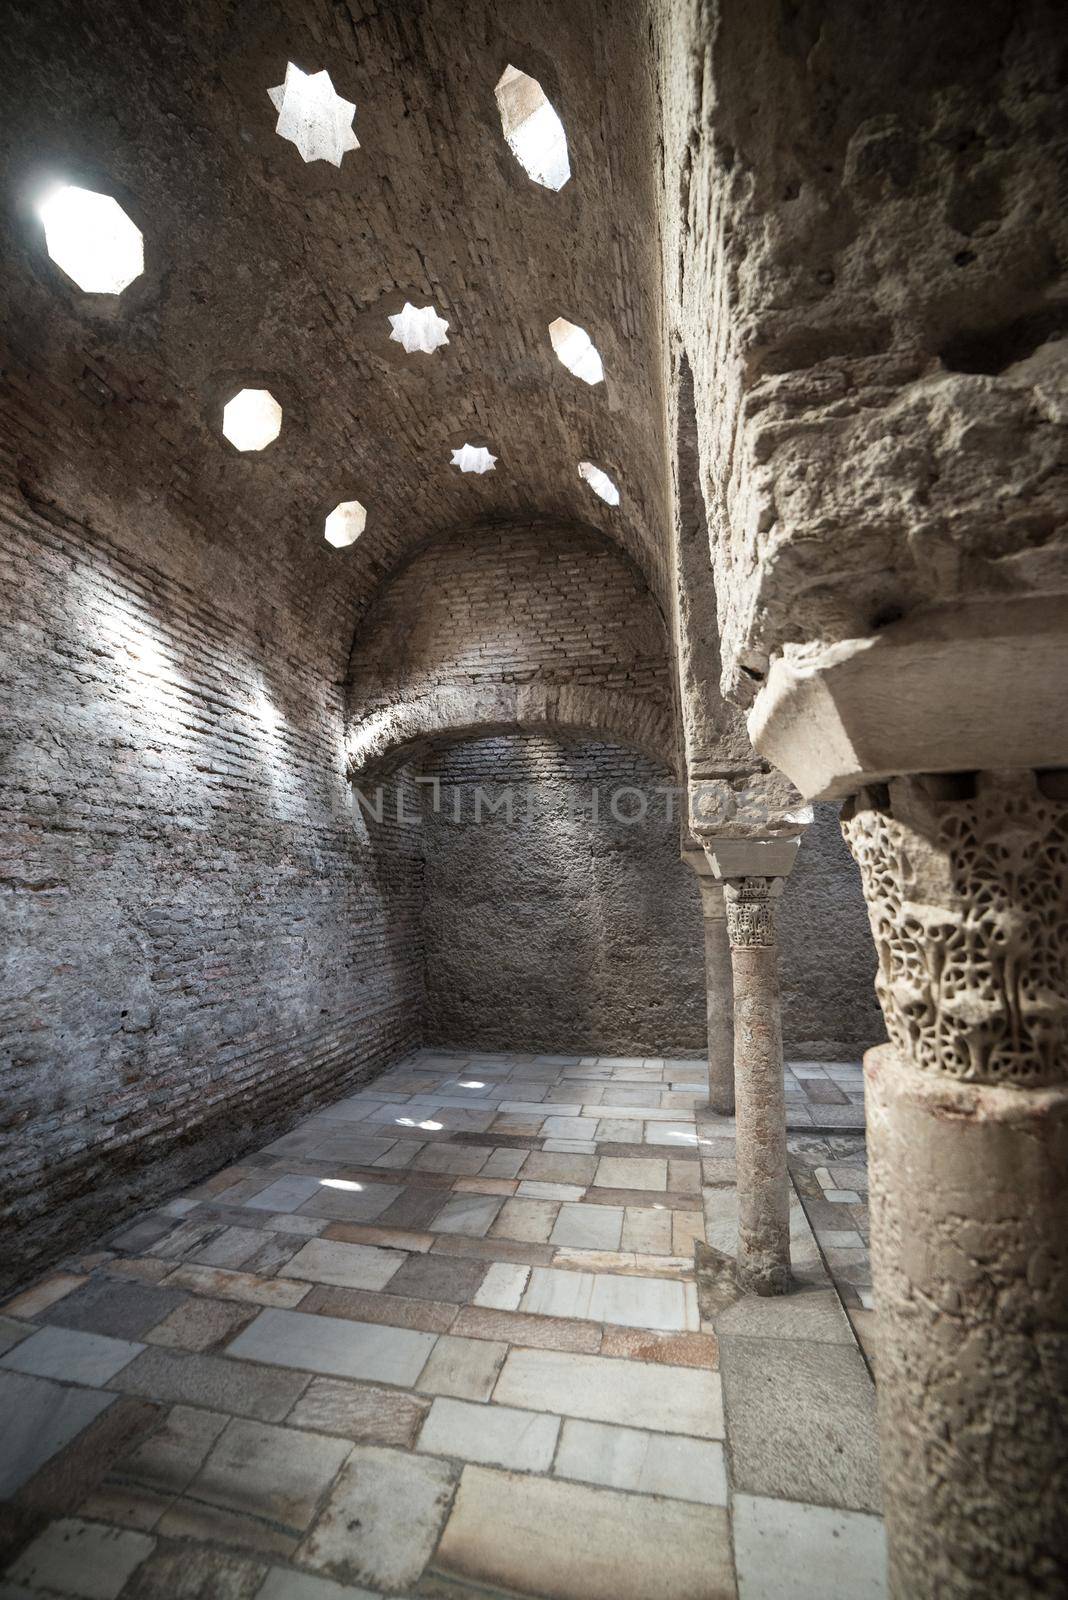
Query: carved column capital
pixel 966 880
pixel 750 906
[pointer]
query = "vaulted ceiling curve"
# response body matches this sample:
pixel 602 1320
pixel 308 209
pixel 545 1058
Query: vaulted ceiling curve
pixel 266 272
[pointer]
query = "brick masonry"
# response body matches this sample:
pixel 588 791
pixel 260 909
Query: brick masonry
pixel 198 938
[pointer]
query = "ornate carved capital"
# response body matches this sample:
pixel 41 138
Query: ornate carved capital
pixel 966 881
pixel 750 906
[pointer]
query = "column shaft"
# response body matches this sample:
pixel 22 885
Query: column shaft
pixel 968 1136
pixel 719 985
pixel 763 1182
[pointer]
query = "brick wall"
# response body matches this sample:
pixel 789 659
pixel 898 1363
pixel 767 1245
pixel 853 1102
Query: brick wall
pixel 200 938
pixel 561 928
pixel 513 605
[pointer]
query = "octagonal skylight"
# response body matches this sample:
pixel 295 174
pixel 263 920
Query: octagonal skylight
pixel 419 329
pixel 90 236
pixel 576 350
pixel 599 482
pixel 345 524
pixel 252 419
pixel 532 128
pixel 473 458
pixel 313 117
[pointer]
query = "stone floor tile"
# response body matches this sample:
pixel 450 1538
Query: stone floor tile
pixel 362 1203
pixel 415 1207
pixel 501 1186
pixel 334 1346
pixel 283 1584
pixel 432 1277
pixel 588 1227
pixel 470 1214
pixel 82 1558
pixel 678 1135
pixel 351 1266
pixel 535 1189
pixel 360 1412
pixel 40 1418
pixel 684 1177
pixel 244 1287
pixel 583 1543
pixel 219 1383
pixel 31 1302
pixel 615 1131
pixel 140 1487
pixel 392 1310
pixel 504 1163
pixel 667 1349
pixel 198 1324
pixel 646 1231
pixel 465 1368
pixel 502 1287
pixel 284 1194
pixel 787 1551
pixel 571 1147
pixel 634 1394
pixel 686 1228
pixel 382 1520
pixel 526 1221
pixel 12 1331
pixel 230 1247
pixel 186 1572
pixel 266 1482
pixel 542 1167
pixel 802 1418
pixel 810 1314
pixel 372 1233
pixel 75 1357
pixel 539 1333
pixel 496 1436
pixel 492 1248
pixel 117 1310
pixel 648 1463
pixel 463 1160
pixel 557 1127
pixel 536 1108
pixel 606 1297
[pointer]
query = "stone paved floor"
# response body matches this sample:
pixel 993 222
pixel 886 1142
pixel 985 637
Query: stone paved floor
pixel 445 1338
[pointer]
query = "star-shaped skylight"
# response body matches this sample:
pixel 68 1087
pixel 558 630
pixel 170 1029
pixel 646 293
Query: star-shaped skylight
pixel 313 117
pixel 473 458
pixel 419 329
pixel 599 482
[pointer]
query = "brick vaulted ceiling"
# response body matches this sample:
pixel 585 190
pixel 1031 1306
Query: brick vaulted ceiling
pixel 260 267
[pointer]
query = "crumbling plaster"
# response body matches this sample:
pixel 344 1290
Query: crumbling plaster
pixel 864 241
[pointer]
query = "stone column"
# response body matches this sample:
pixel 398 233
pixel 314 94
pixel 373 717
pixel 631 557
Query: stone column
pixel 719 985
pixel 763 1182
pixel 967 888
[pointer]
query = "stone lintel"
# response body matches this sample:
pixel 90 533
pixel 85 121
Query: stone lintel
pixel 752 858
pixel 978 685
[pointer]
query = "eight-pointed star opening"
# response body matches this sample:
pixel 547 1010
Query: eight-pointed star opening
pixel 419 328
pixel 473 458
pixel 313 117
